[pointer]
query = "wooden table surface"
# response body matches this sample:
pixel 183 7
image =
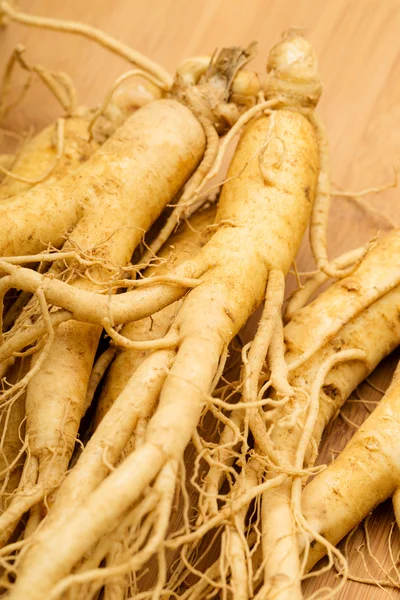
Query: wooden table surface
pixel 358 45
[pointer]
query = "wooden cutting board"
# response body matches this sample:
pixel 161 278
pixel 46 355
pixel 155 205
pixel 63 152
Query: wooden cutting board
pixel 358 45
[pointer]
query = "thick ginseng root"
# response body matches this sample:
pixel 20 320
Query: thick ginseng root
pixel 351 299
pixel 365 473
pixel 113 233
pixel 279 527
pixel 288 411
pixel 56 394
pixel 303 73
pixel 56 207
pixel 223 74
pixel 282 574
pixel 182 246
pixel 261 226
pixel 116 231
pixel 375 332
pixel 63 203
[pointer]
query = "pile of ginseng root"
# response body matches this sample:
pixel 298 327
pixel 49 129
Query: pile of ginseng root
pixel 146 450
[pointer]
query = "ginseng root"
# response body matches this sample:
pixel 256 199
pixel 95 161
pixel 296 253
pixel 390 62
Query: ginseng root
pixel 262 215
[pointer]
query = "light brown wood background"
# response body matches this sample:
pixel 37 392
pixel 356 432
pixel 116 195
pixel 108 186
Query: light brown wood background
pixel 358 45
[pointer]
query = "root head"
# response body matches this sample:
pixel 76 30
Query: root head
pixel 293 72
pixel 217 86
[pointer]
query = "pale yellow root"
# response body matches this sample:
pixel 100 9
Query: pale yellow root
pixel 35 517
pixel 12 347
pixel 286 583
pixel 54 405
pixel 278 301
pixel 205 338
pixel 139 172
pixel 375 332
pixel 379 337
pixel 181 247
pixel 260 345
pixel 282 566
pixel 92 308
pixel 62 214
pixel 56 395
pixel 259 351
pixel 210 317
pixel 300 86
pixel 303 74
pixel 278 369
pixel 174 219
pixel 116 588
pixel 369 463
pixel 27 495
pixel 164 488
pixel 283 570
pixel 138 398
pixel 103 173
pixel 60 148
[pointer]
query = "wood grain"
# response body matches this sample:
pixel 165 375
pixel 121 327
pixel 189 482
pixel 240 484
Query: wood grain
pixel 358 46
